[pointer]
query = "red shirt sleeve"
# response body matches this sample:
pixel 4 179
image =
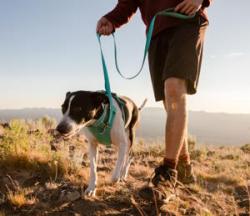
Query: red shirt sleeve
pixel 206 3
pixel 122 12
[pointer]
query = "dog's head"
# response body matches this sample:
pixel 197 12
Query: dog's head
pixel 80 109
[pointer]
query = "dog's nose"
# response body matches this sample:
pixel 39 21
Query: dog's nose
pixel 64 128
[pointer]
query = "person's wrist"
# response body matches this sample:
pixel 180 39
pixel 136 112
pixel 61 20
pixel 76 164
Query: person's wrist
pixel 205 3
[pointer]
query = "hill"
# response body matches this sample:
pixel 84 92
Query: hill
pixel 208 128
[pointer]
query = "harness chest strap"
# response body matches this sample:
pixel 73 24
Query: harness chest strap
pixel 101 128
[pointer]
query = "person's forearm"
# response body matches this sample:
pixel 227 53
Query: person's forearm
pixel 122 12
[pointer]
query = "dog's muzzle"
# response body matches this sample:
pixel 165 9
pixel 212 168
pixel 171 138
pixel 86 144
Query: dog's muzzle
pixel 64 128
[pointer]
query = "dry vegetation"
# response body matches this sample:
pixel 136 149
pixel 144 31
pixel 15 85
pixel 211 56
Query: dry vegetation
pixel 34 180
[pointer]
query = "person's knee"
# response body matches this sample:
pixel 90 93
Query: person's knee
pixel 175 94
pixel 174 88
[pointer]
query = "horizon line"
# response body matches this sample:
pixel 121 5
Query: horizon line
pixel 150 107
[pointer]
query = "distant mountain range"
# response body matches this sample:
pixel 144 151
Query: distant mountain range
pixel 208 128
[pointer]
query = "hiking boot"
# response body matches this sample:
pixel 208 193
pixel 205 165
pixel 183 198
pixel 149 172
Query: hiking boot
pixel 163 185
pixel 186 173
pixel 164 176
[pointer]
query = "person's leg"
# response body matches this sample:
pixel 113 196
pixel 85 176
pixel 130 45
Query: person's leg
pixel 175 63
pixel 176 125
pixel 184 154
pixel 185 169
pixel 176 140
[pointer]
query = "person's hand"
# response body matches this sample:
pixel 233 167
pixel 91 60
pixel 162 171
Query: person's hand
pixel 189 7
pixel 104 27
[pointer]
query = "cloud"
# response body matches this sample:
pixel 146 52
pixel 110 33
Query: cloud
pixel 235 54
pixel 212 56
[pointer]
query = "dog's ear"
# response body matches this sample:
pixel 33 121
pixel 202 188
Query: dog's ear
pixel 68 94
pixel 100 98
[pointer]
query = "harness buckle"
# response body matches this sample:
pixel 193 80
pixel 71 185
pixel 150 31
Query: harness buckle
pixel 106 125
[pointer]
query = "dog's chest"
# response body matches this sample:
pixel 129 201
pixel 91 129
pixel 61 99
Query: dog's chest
pixel 101 130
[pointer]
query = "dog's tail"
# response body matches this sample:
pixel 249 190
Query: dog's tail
pixel 143 104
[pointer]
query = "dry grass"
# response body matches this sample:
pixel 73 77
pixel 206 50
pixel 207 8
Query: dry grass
pixel 24 146
pixel 246 148
pixel 35 179
pixel 19 198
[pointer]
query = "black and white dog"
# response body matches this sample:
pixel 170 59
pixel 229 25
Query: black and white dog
pixel 81 109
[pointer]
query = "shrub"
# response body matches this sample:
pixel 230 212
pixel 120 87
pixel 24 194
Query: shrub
pixel 246 148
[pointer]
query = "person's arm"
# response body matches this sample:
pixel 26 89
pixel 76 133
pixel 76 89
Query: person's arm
pixel 117 17
pixel 122 12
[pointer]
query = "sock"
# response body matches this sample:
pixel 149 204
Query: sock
pixel 185 158
pixel 171 163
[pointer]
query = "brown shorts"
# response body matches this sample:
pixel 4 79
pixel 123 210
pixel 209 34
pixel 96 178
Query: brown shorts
pixel 177 52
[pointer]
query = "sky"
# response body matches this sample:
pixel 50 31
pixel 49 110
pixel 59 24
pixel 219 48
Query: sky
pixel 49 47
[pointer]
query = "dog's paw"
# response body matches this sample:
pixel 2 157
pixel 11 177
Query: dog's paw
pixel 90 191
pixel 123 178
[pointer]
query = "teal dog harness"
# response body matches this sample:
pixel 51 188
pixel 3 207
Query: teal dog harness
pixel 101 128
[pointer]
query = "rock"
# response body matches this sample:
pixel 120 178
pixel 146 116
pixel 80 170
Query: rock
pixel 5 125
pixel 72 196
pixel 69 196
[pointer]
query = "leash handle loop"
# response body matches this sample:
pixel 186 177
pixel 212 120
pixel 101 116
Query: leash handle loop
pixel 168 12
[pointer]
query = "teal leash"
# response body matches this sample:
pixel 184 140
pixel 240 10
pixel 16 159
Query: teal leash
pixel 168 12
pixel 112 109
pixel 102 127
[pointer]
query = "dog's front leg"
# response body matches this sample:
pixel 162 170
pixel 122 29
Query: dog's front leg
pixel 122 150
pixel 93 154
pixel 125 168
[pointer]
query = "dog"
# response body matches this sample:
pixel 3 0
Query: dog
pixel 81 109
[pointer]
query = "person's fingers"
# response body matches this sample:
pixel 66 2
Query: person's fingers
pixel 101 31
pixel 98 26
pixel 180 6
pixel 104 26
pixel 193 11
pixel 105 30
pixel 110 29
pixel 190 10
pixel 186 8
